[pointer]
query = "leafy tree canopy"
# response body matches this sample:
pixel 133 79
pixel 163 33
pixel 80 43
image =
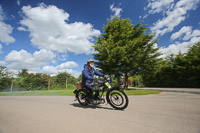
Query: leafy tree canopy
pixel 124 48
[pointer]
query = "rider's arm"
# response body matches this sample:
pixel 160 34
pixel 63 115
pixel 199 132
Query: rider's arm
pixel 98 73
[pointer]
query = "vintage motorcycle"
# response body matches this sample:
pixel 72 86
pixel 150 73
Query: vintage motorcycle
pixel 115 96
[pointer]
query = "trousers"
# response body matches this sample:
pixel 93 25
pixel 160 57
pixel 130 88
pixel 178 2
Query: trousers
pixel 91 90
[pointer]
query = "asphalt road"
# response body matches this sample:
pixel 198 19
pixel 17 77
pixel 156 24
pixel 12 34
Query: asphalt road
pixel 168 112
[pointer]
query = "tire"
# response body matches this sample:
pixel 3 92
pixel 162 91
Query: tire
pixel 82 97
pixel 117 99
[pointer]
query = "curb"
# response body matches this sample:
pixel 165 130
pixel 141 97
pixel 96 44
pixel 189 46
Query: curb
pixel 162 90
pixel 192 92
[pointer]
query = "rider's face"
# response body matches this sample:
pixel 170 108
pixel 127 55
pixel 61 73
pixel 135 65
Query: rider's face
pixel 91 64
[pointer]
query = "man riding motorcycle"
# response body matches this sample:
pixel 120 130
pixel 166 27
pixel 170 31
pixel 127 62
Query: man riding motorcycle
pixel 88 77
pixel 115 96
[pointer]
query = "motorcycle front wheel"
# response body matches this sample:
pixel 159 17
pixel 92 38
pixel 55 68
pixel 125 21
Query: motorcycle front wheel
pixel 117 99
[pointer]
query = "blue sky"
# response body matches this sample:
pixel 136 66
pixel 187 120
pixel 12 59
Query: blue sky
pixel 52 36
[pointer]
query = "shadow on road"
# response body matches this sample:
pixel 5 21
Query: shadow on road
pixel 92 107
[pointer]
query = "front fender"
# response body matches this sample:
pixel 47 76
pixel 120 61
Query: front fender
pixel 115 88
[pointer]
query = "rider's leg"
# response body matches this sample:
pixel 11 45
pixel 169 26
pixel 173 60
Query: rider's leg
pixel 97 96
pixel 90 89
pixel 96 93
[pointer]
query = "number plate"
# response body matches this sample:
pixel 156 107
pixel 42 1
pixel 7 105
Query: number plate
pixel 108 85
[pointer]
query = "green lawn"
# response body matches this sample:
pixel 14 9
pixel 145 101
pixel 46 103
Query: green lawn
pixel 141 92
pixel 68 93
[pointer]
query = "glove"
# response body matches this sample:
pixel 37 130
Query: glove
pixel 106 76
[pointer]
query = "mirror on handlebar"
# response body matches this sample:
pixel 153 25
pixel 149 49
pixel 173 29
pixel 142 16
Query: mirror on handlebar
pixel 107 77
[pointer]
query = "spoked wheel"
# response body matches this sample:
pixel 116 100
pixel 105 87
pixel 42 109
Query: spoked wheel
pixel 82 98
pixel 117 99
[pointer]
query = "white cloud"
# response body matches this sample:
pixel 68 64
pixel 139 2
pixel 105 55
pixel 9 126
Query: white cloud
pixel 22 59
pixel 21 29
pixel 64 67
pixel 50 30
pixel 1 14
pixel 174 17
pixel 175 49
pixel 174 13
pixel 18 2
pixel 188 34
pixel 184 30
pixel 190 38
pixel 38 62
pixel 2 62
pixel 195 37
pixel 67 65
pixel 155 45
pixel 158 6
pixel 196 33
pixel 6 29
pixel 5 32
pixel 115 10
pixel 0 49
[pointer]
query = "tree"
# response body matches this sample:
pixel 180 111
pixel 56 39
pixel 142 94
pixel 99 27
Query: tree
pixel 182 70
pixel 193 68
pixel 124 49
pixel 31 81
pixel 79 78
pixel 5 79
pixel 23 72
pixel 61 78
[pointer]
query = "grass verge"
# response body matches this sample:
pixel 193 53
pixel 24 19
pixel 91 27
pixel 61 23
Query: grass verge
pixel 141 92
pixel 68 93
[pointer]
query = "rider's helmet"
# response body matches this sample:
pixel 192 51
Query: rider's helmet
pixel 90 60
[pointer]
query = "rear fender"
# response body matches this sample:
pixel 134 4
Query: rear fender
pixel 77 91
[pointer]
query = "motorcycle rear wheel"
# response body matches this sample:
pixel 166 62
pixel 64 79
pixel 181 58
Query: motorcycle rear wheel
pixel 82 98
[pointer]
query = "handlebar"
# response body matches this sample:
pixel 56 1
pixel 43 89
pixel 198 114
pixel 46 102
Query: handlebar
pixel 104 80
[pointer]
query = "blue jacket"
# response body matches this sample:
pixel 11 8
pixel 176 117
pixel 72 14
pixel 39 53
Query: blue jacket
pixel 87 75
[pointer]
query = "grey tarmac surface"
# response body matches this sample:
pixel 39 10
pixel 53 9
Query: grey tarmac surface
pixel 167 112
